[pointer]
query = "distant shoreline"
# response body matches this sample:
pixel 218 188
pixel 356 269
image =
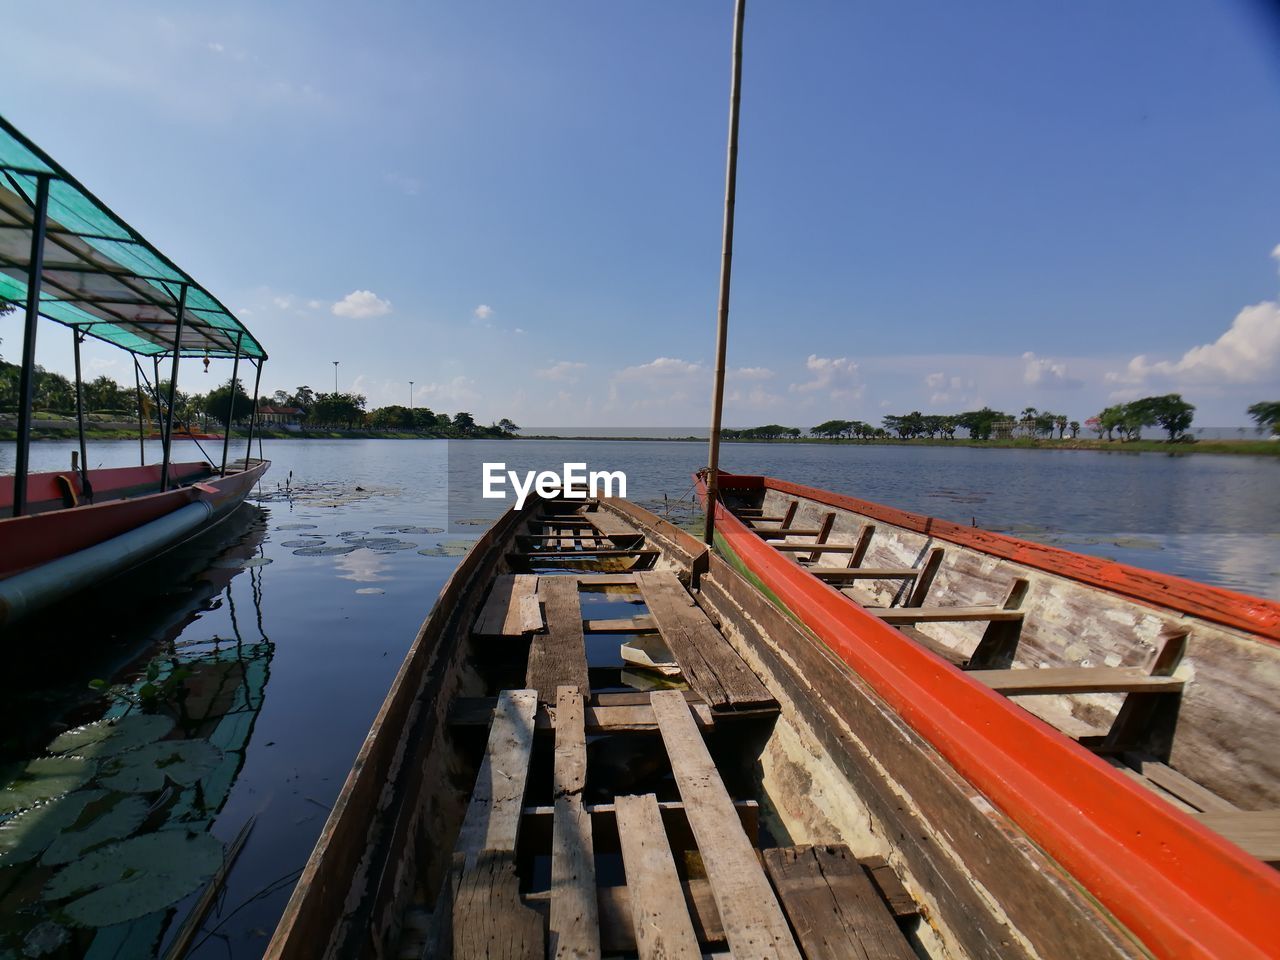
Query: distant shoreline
pixel 1254 447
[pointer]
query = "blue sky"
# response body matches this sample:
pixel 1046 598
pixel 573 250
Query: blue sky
pixel 518 205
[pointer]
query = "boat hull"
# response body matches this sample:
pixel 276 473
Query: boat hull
pixel 1184 890
pixel 52 554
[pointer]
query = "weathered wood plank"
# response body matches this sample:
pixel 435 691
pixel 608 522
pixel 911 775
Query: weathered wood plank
pixel 601 714
pixel 617 931
pixel 559 656
pixel 942 614
pixel 864 573
pixel 1257 832
pixel 604 579
pixel 489 919
pixel 808 547
pixel 512 608
pixel 1182 787
pixel 886 880
pixel 828 521
pixel 660 916
pixel 1075 680
pixel 625 625
pixel 712 667
pixel 540 556
pixel 836 912
pixel 754 924
pixel 928 570
pixel 779 533
pixel 862 545
pixel 493 814
pixel 574 927
pixel 612 526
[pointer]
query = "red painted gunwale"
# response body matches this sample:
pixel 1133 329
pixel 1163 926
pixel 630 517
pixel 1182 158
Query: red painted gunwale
pixel 1183 890
pixel 37 538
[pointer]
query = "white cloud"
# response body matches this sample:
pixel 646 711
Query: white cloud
pixel 284 302
pixel 1248 352
pixel 565 371
pixel 1043 372
pixel 752 373
pixel 216 47
pixel 662 368
pixel 483 312
pixel 361 305
pixel 835 375
pixel 935 380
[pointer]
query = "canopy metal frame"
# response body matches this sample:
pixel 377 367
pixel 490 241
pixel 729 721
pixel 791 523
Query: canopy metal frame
pixel 67 257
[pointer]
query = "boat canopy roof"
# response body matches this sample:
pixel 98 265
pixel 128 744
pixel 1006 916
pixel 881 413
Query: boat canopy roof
pixel 99 274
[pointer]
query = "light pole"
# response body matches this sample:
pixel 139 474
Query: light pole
pixel 410 396
pixel 335 375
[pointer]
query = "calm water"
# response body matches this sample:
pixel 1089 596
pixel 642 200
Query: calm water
pixel 289 622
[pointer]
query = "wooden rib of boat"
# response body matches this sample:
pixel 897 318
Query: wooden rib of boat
pixel 1125 719
pixel 65 542
pixel 512 799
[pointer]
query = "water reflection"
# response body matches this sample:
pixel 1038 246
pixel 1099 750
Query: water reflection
pixel 104 839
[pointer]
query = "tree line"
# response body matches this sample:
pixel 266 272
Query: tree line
pixel 54 393
pixel 1125 421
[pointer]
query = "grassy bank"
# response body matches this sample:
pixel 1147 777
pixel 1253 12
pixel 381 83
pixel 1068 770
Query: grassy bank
pixel 1260 447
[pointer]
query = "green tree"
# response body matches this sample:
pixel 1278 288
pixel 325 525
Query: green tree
pixel 1266 414
pixel 507 426
pixel 1075 428
pixel 218 405
pixel 464 424
pixel 1169 411
pixel 831 428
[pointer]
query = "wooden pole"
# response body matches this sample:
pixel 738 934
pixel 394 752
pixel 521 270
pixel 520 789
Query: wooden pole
pixel 726 270
pixel 137 387
pixel 253 415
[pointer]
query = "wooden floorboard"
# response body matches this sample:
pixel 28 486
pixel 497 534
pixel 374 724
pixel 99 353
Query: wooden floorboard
pixel 574 926
pixel 511 608
pixel 559 656
pixel 492 820
pixel 835 910
pixel 489 920
pixel 753 921
pixel 709 663
pixel 660 916
pixel 942 614
pixel 1257 832
pixel 1182 787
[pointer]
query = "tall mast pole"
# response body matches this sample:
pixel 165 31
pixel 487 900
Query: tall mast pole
pixel 173 389
pixel 726 271
pixel 27 378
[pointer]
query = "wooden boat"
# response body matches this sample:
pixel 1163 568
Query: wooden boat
pixel 512 800
pixel 67 257
pixel 1061 685
pixel 63 544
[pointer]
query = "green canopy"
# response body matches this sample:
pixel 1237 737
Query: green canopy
pixel 99 274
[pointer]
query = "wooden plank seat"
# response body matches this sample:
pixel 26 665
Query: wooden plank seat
pixel 660 916
pixel 609 524
pixel 1058 680
pixel 617 924
pixel 956 614
pixel 558 657
pixel 778 533
pixel 574 927
pixel 607 713
pixel 708 662
pixel 833 906
pixel 1169 782
pixel 585 554
pixel 754 924
pixel 841 574
pixel 511 608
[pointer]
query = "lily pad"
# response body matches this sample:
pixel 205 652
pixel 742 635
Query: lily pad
pixel 322 551
pixel 106 738
pixel 313 542
pixel 413 531
pixel 353 534
pixel 447 548
pixel 43 779
pixel 120 821
pixel 146 769
pixel 132 878
pixel 295 526
pixel 27 835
